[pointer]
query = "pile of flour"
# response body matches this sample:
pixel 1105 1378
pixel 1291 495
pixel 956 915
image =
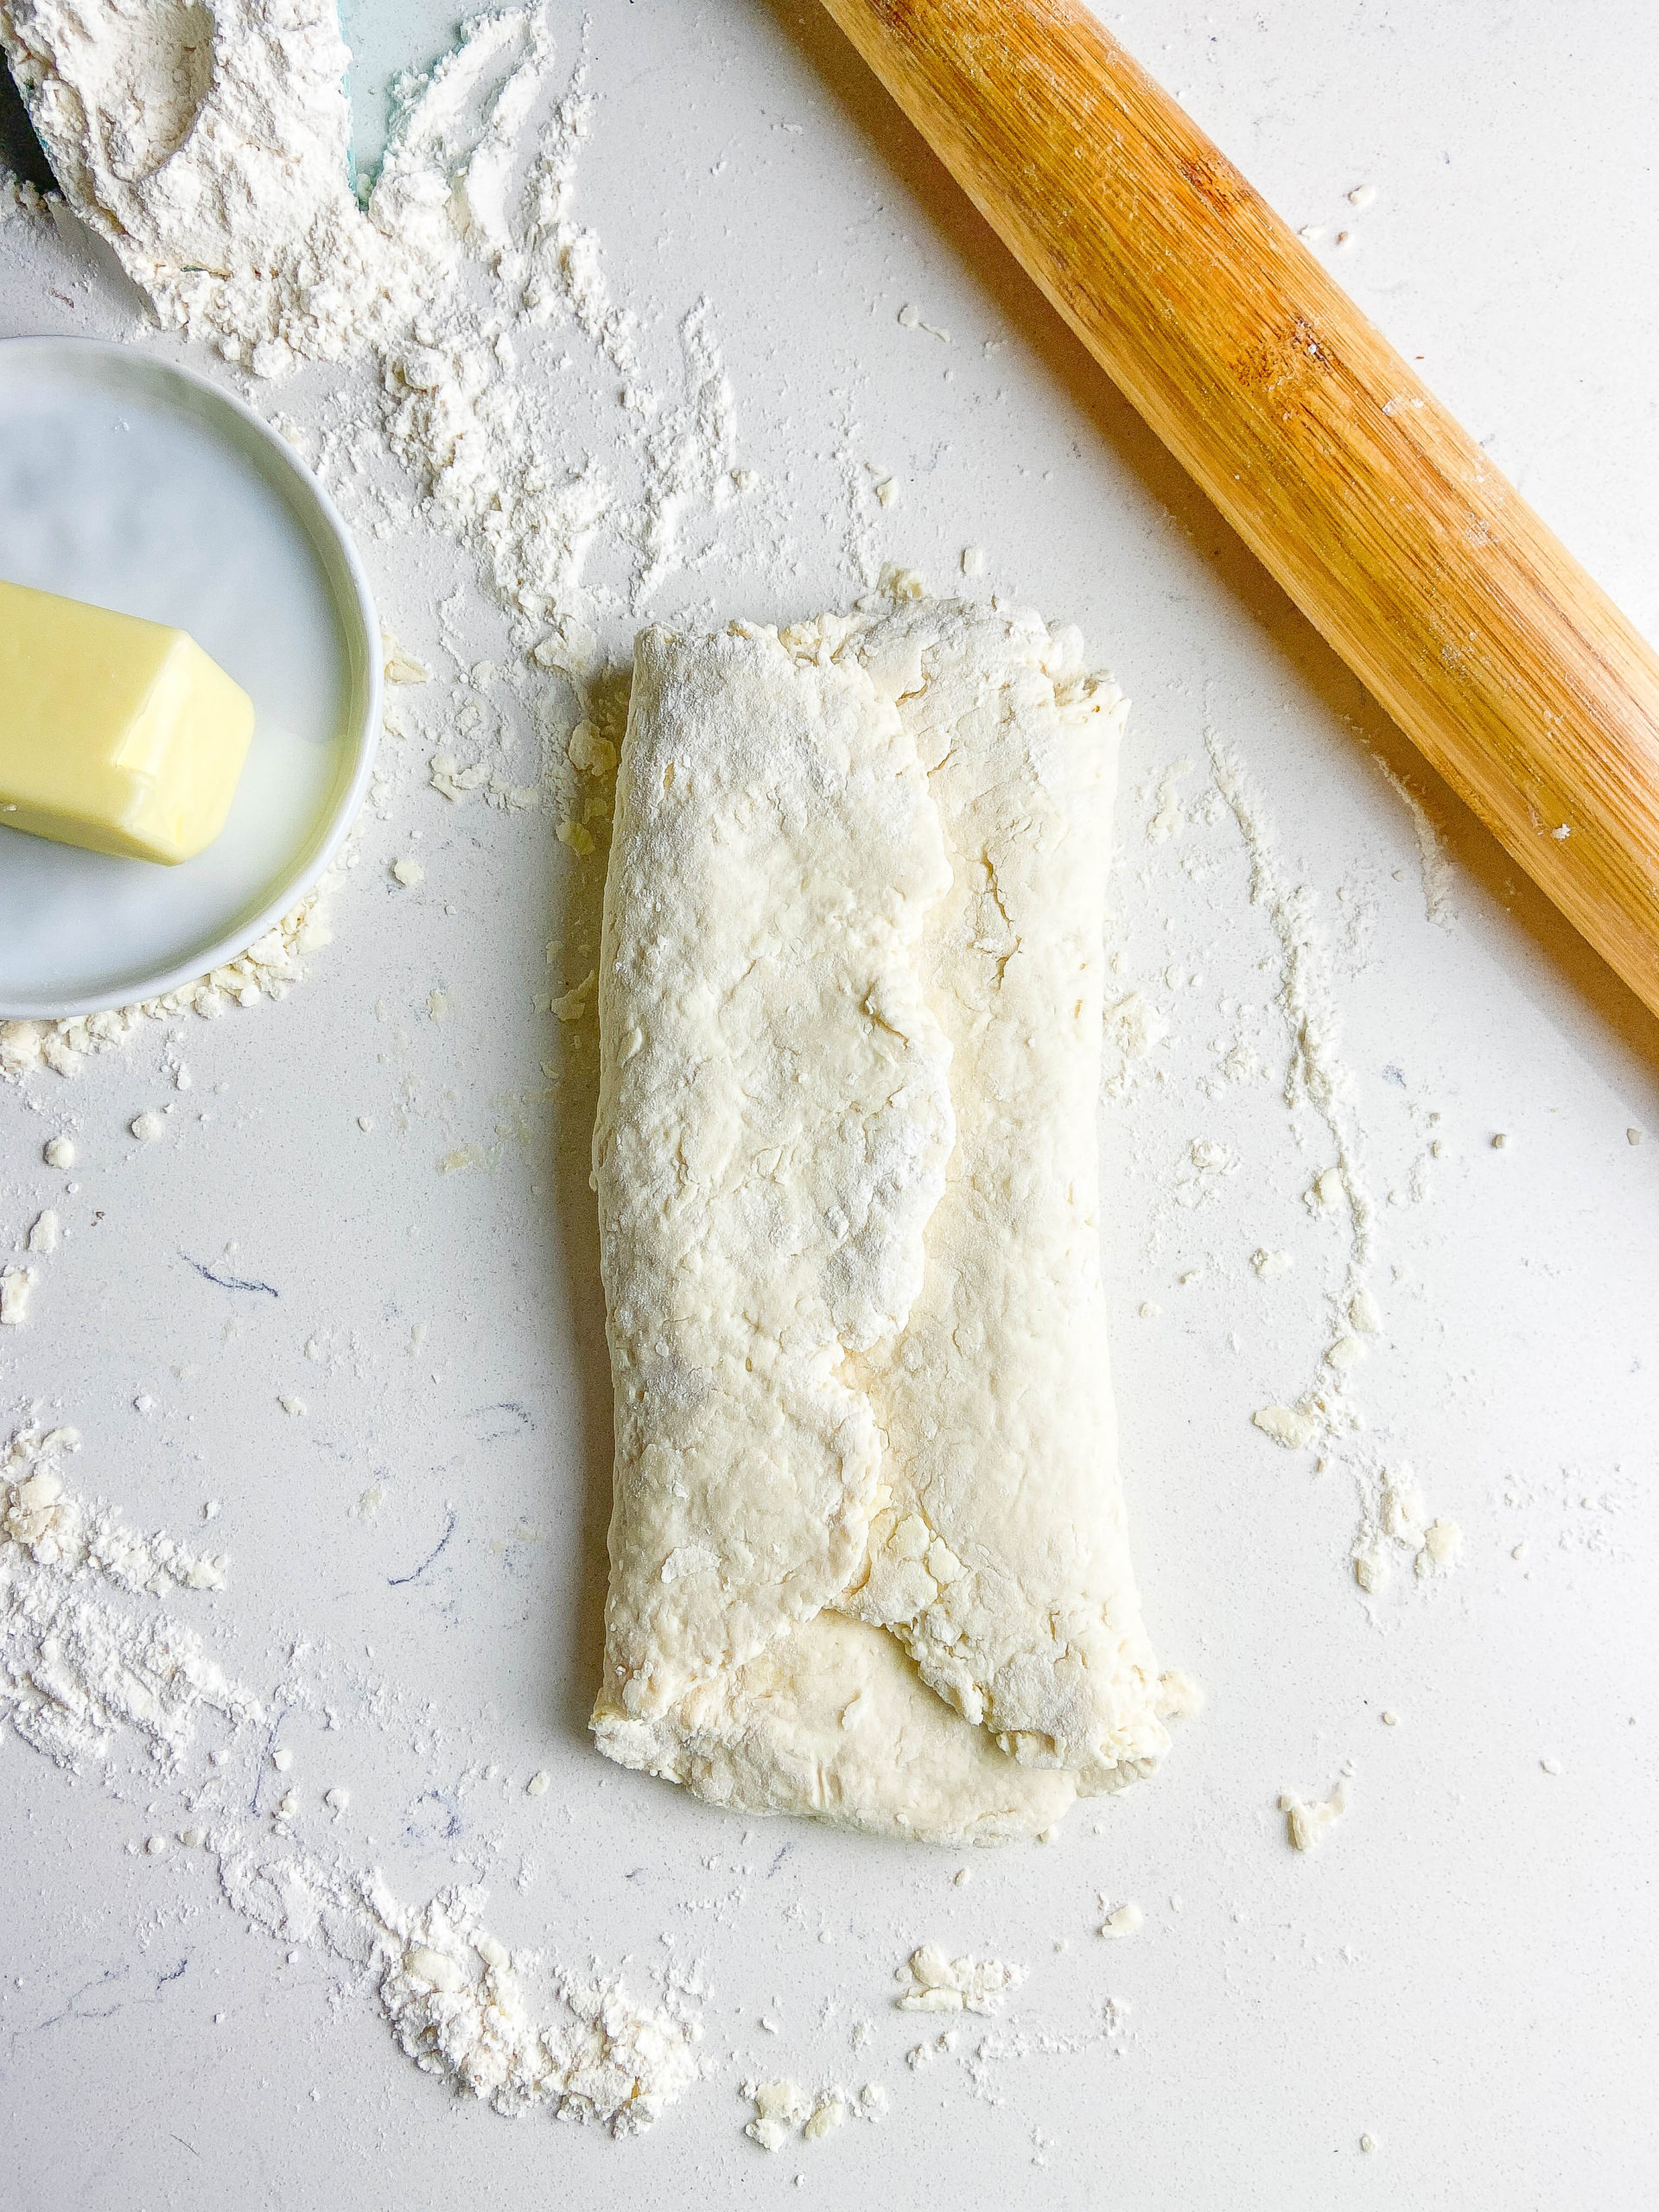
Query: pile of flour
pixel 83 1674
pixel 207 142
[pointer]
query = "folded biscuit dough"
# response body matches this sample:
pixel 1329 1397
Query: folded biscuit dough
pixel 867 1549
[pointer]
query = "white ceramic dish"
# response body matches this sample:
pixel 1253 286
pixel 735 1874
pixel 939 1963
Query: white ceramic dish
pixel 137 486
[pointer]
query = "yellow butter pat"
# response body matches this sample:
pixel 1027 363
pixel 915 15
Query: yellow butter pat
pixel 115 733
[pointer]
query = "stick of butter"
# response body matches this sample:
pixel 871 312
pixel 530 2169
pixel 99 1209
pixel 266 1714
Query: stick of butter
pixel 115 733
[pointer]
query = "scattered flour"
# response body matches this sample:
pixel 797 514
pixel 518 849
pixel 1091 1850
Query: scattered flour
pixel 1167 820
pixel 1316 1082
pixel 74 1670
pixel 1435 868
pixel 78 1672
pixel 1207 1165
pixel 1135 1025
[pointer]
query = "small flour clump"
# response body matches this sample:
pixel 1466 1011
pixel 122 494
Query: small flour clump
pixel 933 1981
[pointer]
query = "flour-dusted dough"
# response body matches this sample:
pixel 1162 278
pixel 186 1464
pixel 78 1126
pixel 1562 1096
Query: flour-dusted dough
pixel 867 1551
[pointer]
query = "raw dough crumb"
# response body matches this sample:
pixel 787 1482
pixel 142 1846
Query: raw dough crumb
pixel 1393 1510
pixel 1632 1136
pixel 888 491
pixel 17 1286
pixel 932 1982
pixel 1307 1825
pixel 1294 1426
pixel 1325 1192
pixel 975 560
pixel 1362 195
pixel 409 872
pixel 147 1128
pixel 539 1783
pixel 401 667
pixel 293 1407
pixel 779 2108
pixel 589 752
pixel 574 1004
pixel 61 1151
pixel 1550 1766
pixel 1362 1313
pixel 1442 1544
pixel 1268 1264
pixel 1124 1920
pixel 1367 2143
pixel 45 1233
pixel 1500 1143
pixel 1390 1719
pixel 827 2115
pixel 265 970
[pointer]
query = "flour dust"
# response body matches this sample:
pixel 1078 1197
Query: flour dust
pixel 85 1676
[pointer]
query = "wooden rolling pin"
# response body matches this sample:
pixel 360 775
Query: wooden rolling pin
pixel 1506 663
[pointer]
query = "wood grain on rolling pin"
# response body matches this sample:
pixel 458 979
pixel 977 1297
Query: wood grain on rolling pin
pixel 1498 655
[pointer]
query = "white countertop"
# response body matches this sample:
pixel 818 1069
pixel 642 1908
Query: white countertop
pixel 1463 1970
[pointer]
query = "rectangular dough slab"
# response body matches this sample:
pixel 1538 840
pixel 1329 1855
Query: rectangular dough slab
pixel 867 1547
